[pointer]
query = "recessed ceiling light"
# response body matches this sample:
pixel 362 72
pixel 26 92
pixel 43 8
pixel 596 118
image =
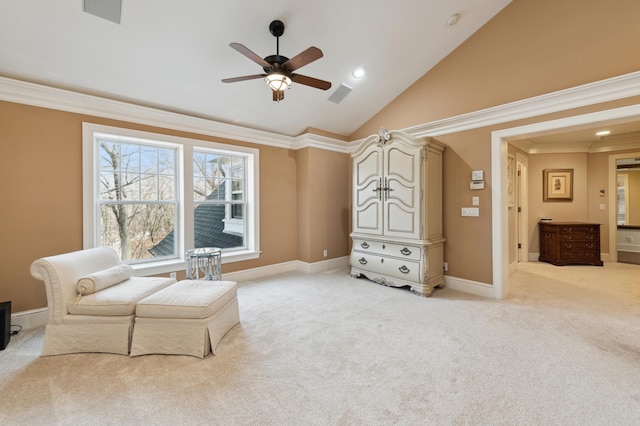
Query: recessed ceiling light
pixel 359 72
pixel 603 133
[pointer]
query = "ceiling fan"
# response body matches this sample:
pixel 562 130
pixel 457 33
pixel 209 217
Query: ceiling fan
pixel 278 69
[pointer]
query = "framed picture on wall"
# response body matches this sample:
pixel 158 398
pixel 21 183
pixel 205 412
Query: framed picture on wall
pixel 557 185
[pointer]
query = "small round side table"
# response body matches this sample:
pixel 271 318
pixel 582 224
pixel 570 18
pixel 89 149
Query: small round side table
pixel 204 263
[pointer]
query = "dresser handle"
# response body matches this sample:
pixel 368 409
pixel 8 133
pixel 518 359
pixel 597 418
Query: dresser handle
pixel 404 269
pixel 405 251
pixel 567 245
pixel 363 261
pixel 364 245
pixel 590 245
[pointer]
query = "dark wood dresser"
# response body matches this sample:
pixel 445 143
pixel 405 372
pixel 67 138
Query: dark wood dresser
pixel 570 243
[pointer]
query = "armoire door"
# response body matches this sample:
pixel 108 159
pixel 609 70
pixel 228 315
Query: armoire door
pixel 401 200
pixel 367 195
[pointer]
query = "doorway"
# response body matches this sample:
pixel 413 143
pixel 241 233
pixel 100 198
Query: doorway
pixel 625 237
pixel 499 147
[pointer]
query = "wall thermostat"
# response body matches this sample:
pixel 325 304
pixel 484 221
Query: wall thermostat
pixel 477 175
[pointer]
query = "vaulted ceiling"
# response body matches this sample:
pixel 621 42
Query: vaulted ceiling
pixel 173 55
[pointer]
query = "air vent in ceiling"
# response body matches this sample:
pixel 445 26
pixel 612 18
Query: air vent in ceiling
pixel 105 9
pixel 340 93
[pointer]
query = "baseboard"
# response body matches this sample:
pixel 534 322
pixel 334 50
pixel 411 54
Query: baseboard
pixel 260 272
pixel 471 287
pixel 30 319
pixel 323 265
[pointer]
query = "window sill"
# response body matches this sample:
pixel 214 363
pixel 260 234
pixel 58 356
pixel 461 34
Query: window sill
pixel 167 266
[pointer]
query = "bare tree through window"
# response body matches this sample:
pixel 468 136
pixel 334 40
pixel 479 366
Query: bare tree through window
pixel 137 196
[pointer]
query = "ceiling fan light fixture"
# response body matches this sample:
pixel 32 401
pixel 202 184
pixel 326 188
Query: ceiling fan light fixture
pixel 277 81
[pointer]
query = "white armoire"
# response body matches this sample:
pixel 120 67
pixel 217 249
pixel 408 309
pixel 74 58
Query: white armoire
pixel 397 211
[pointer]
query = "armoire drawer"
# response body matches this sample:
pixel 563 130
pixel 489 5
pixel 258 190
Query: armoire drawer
pixel 398 268
pixel 388 249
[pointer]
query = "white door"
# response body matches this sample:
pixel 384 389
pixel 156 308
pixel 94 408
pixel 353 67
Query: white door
pixel 402 174
pixel 367 191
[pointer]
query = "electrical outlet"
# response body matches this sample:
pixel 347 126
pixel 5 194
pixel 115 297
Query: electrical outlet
pixel 172 274
pixel 445 266
pixel 324 253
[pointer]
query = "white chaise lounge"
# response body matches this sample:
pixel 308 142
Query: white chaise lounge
pixel 101 318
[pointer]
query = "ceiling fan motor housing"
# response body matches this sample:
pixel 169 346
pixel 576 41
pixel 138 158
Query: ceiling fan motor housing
pixel 276 62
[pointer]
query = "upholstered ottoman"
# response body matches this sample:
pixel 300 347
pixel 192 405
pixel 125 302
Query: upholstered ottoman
pixel 186 318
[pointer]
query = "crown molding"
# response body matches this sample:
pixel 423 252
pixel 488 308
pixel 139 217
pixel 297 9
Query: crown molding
pixel 17 91
pixel 611 89
pixel 65 100
pixel 310 140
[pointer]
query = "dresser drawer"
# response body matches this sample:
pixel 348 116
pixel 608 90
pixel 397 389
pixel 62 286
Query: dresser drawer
pixel 580 254
pixel 387 249
pixel 397 268
pixel 579 236
pixel 578 245
pixel 579 229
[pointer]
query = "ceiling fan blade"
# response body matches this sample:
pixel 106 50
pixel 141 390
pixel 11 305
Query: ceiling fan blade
pixel 243 78
pixel 310 81
pixel 303 58
pixel 249 54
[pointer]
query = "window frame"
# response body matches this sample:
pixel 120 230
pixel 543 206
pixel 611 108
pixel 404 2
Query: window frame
pixel 184 159
pixel 177 175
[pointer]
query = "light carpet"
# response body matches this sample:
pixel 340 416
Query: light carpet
pixel 329 349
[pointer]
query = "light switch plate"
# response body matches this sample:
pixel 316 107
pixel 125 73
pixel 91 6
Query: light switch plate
pixel 475 201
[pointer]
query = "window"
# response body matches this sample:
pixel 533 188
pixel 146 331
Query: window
pixel 218 197
pixel 137 201
pixel 153 196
